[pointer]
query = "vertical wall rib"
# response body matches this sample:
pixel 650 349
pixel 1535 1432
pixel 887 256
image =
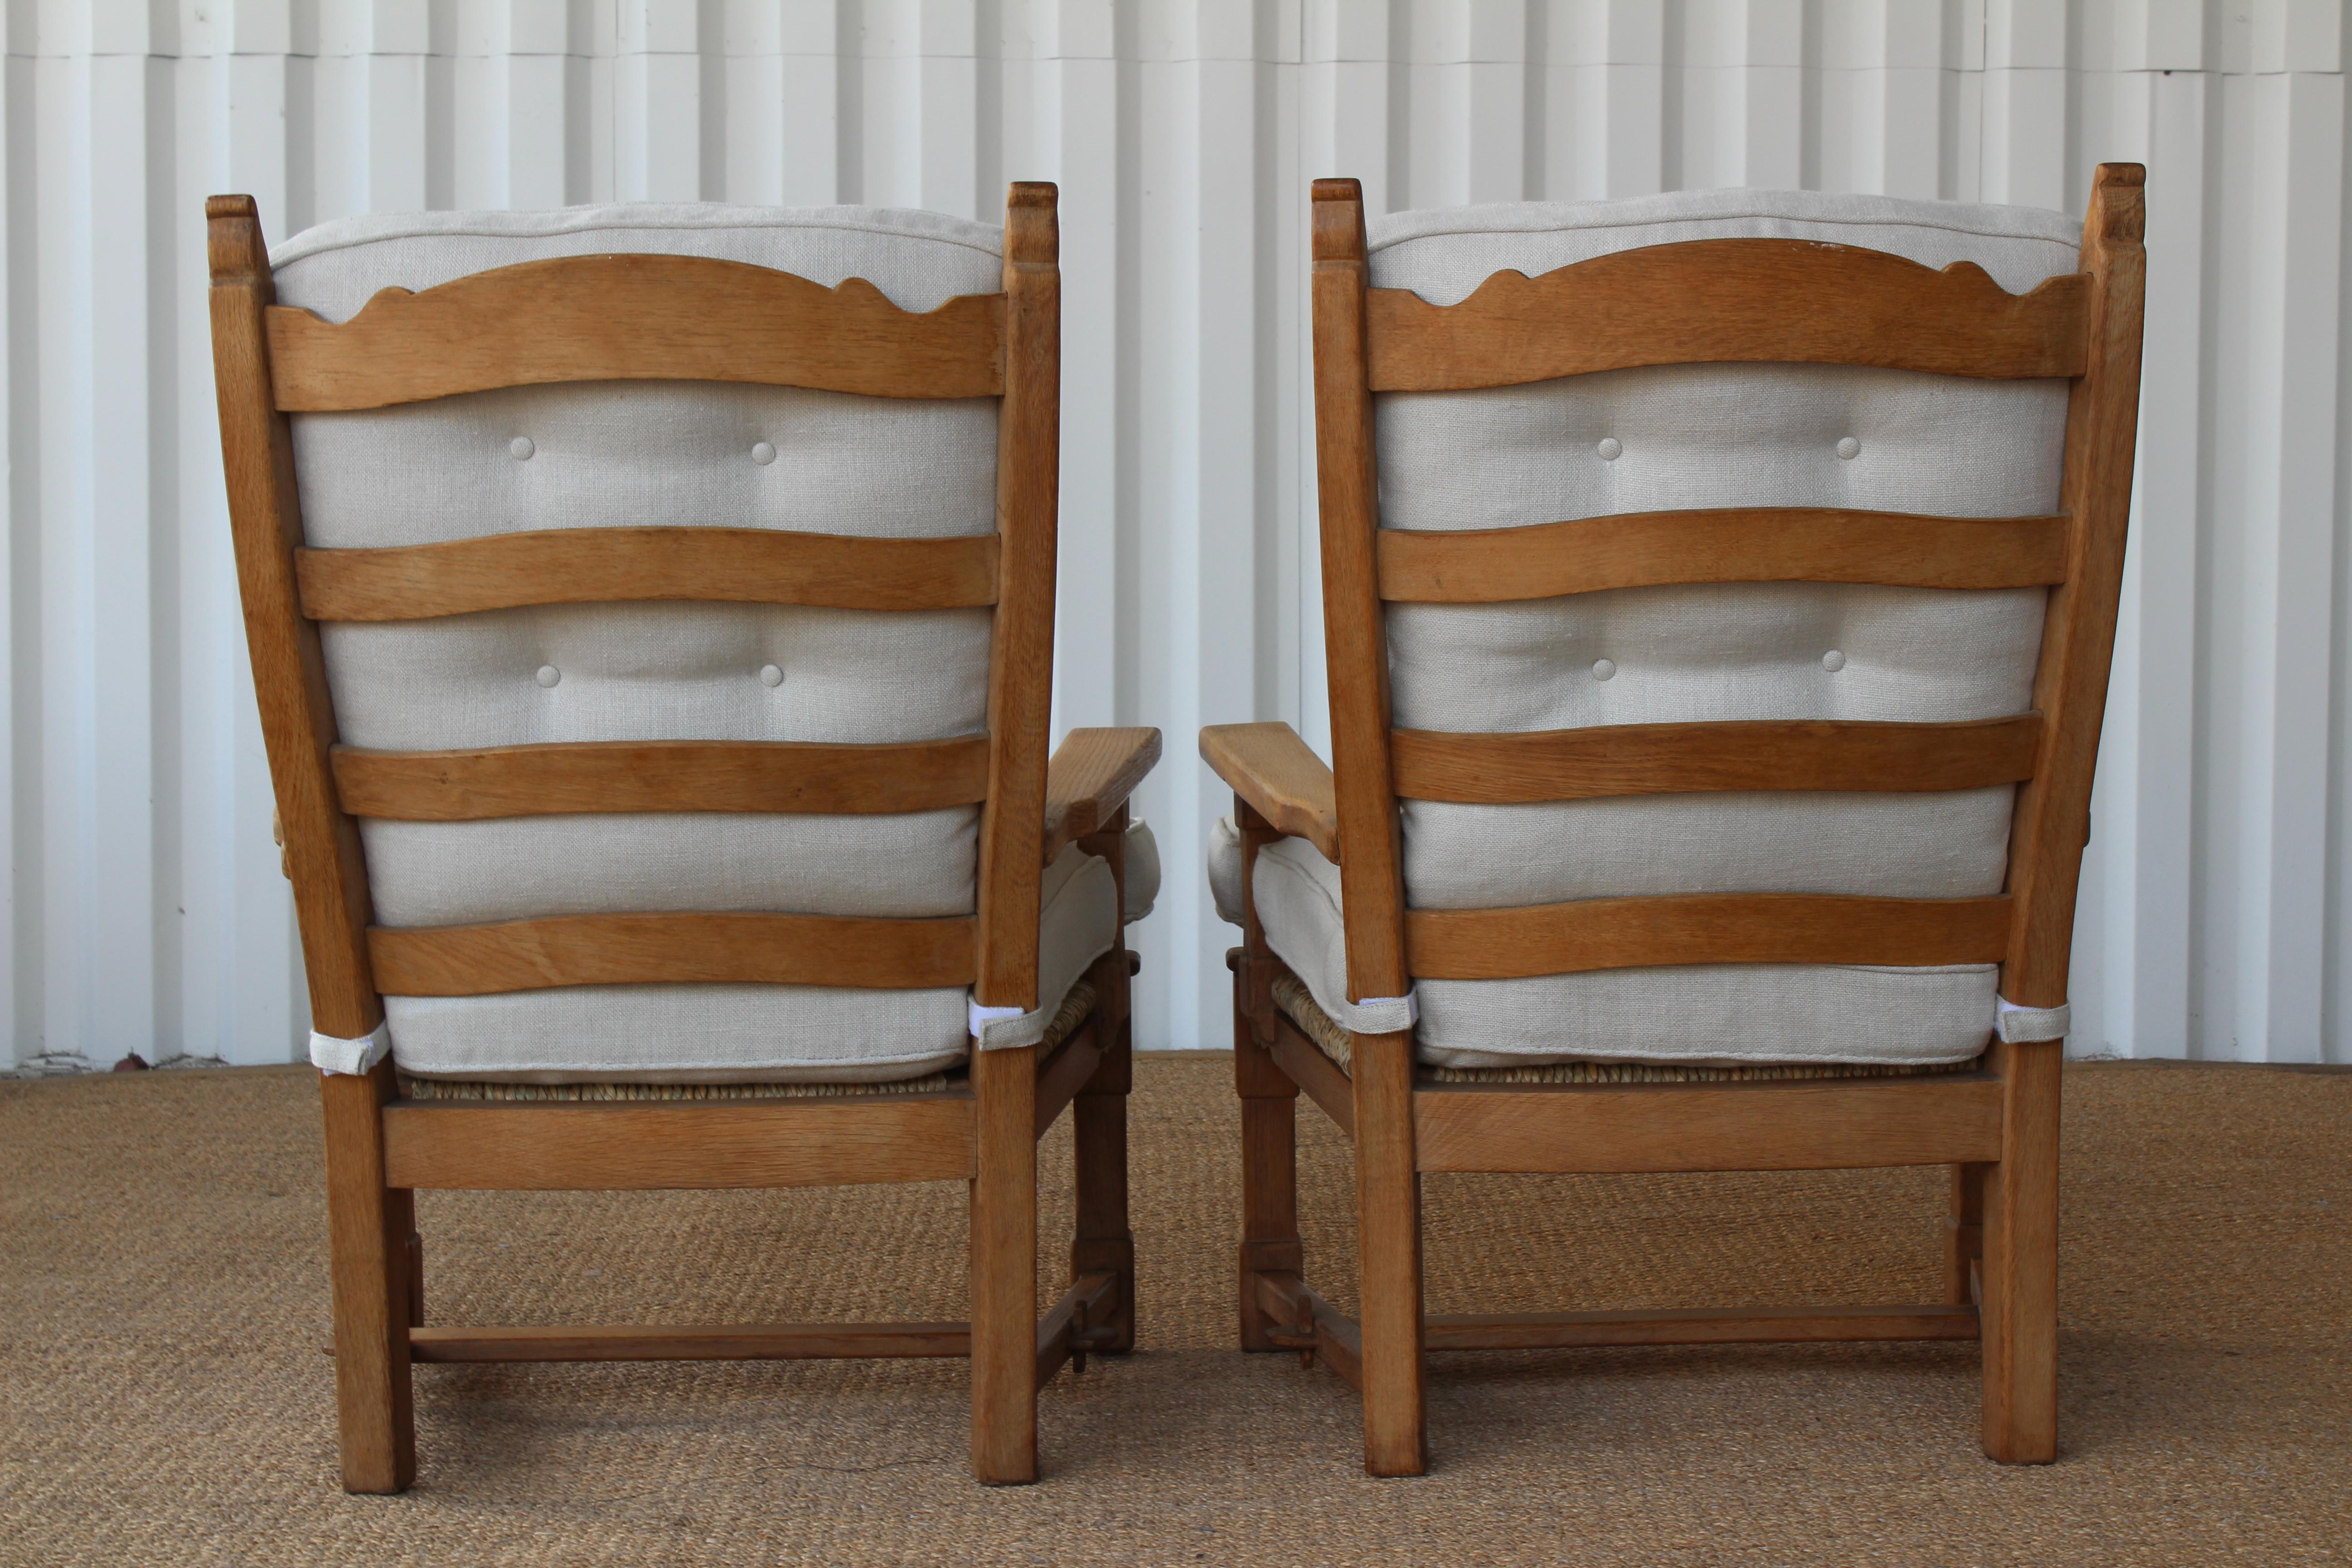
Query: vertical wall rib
pixel 144 908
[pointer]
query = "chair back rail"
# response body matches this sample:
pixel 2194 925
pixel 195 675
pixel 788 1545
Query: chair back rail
pixel 1726 301
pixel 632 317
pixel 1722 302
pixel 561 778
pixel 604 565
pixel 1734 754
pixel 696 948
pixel 1729 544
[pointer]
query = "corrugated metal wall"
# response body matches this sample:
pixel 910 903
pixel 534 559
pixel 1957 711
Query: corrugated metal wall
pixel 145 909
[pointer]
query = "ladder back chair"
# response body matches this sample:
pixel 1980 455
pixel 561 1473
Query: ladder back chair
pixel 1719 590
pixel 651 615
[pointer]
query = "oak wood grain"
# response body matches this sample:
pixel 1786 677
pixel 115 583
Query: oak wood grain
pixel 634 318
pixel 605 566
pixel 1288 785
pixel 322 857
pixel 1737 754
pixel 1704 927
pixel 1806 1125
pixel 691 1341
pixel 690 949
pixel 589 1146
pixel 1020 662
pixel 1695 1326
pixel 1787 301
pixel 1088 779
pixel 1003 1291
pixel 1732 544
pixel 1306 1064
pixel 1355 636
pixel 563 777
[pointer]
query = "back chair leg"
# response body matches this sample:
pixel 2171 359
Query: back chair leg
pixel 1388 1242
pixel 1104 1243
pixel 2020 1263
pixel 1004 1266
pixel 369 1227
pixel 1964 1234
pixel 1269 1163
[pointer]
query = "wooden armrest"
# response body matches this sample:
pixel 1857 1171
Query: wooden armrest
pixel 1270 767
pixel 1090 778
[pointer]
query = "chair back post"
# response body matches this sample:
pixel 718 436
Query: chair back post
pixel 1354 631
pixel 323 858
pixel 2053 808
pixel 1021 665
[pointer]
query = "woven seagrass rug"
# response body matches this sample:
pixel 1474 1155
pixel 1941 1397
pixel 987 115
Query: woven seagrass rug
pixel 165 1394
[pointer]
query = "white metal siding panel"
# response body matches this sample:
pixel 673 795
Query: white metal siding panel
pixel 144 908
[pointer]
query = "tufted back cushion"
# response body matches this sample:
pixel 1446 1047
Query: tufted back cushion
pixel 1680 436
pixel 661 454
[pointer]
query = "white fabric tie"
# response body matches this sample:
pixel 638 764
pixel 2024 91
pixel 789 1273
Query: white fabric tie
pixel 977 1018
pixel 1383 1010
pixel 330 1054
pixel 2017 1024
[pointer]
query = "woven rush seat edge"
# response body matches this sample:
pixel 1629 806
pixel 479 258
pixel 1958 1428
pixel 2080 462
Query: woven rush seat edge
pixel 1076 1005
pixel 1298 1003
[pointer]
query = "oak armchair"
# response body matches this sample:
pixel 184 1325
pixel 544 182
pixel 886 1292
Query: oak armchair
pixel 1719 590
pixel 651 613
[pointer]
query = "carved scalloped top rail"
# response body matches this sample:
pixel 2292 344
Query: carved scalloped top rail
pixel 1728 301
pixel 634 318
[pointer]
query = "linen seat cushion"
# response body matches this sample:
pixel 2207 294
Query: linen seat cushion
pixel 669 454
pixel 1686 436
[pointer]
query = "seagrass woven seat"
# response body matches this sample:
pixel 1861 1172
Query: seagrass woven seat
pixel 1718 592
pixel 651 611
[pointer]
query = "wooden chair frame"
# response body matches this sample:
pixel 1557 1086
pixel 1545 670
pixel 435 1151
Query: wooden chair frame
pixel 1752 300
pixel 685 318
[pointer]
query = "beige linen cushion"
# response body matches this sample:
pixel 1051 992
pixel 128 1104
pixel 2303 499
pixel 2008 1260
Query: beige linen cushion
pixel 669 454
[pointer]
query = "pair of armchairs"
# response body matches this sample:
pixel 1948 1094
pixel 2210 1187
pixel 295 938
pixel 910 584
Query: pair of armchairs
pixel 651 612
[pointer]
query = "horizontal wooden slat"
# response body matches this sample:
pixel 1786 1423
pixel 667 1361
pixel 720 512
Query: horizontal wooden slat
pixel 510 1146
pixel 1306 1064
pixel 1692 1326
pixel 1806 1125
pixel 661 775
pixel 1702 928
pixel 633 318
pixel 1740 754
pixel 1728 301
pixel 1308 1321
pixel 1061 1332
pixel 605 566
pixel 688 1342
pixel 1731 544
pixel 652 949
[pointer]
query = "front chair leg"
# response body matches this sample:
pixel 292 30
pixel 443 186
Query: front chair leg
pixel 1269 1100
pixel 1388 1241
pixel 2019 1313
pixel 1104 1243
pixel 368 1231
pixel 1004 1265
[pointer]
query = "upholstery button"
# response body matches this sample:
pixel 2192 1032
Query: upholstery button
pixel 548 675
pixel 1611 448
pixel 1833 661
pixel 1848 448
pixel 522 448
pixel 1603 669
pixel 762 453
pixel 771 675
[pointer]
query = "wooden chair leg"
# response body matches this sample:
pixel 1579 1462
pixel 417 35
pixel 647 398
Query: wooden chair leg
pixel 1964 1233
pixel 368 1231
pixel 1269 1164
pixel 2020 1263
pixel 1388 1242
pixel 1004 1266
pixel 1104 1243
